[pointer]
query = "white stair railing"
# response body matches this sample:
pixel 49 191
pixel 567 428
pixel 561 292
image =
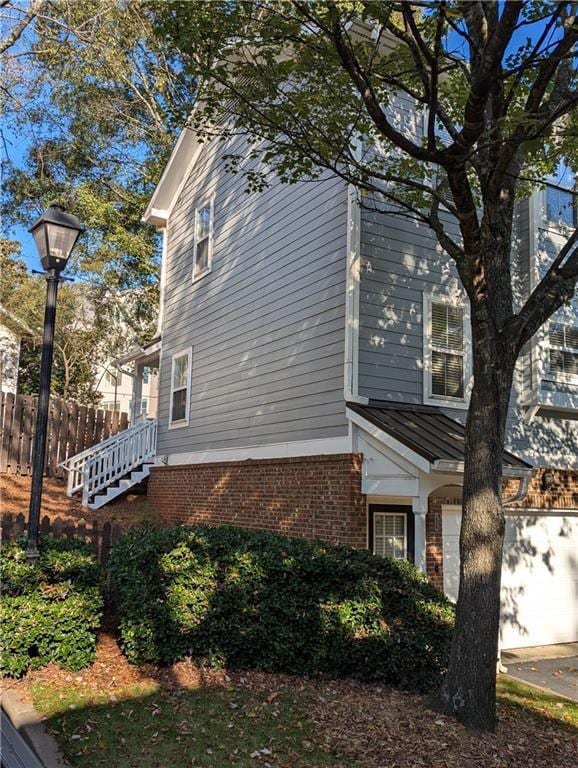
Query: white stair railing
pixel 112 462
pixel 75 464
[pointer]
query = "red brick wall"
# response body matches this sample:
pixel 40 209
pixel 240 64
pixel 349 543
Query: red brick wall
pixel 311 496
pixel 434 546
pixel 562 495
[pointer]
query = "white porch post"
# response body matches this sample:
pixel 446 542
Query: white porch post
pixel 136 393
pixel 419 507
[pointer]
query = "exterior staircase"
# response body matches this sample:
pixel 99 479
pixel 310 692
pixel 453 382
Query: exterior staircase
pixel 113 466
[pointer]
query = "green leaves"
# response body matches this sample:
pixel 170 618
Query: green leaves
pixel 264 601
pixel 49 611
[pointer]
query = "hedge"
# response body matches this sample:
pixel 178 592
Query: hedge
pixel 49 611
pixel 269 602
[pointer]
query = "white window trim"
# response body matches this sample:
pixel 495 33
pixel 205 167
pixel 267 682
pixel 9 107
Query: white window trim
pixel 391 514
pixel 555 376
pixel 539 349
pixel 455 300
pixel 188 351
pixel 207 203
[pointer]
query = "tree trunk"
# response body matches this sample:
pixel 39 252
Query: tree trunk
pixel 469 690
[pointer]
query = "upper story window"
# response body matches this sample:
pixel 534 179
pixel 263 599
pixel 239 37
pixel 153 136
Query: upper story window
pixel 563 343
pixel 113 378
pixel 561 206
pixel 180 388
pixel 203 245
pixel 560 196
pixel 446 360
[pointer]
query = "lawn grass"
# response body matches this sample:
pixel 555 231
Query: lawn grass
pixel 537 702
pixel 145 726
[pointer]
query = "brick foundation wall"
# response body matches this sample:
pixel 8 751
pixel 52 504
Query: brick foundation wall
pixel 310 496
pixel 563 493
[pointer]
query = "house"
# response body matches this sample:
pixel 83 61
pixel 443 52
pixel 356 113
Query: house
pixel 314 378
pixel 11 332
pixel 115 385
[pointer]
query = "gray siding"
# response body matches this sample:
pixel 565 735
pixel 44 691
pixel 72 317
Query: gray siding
pixel 400 260
pixel 267 324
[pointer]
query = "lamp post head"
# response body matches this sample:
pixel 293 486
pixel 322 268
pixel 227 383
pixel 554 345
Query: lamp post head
pixel 55 234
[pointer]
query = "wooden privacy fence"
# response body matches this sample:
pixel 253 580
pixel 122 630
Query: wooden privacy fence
pixel 102 537
pixel 71 429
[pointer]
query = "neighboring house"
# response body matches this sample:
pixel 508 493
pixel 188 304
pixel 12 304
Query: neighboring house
pixel 116 387
pixel 314 376
pixel 11 332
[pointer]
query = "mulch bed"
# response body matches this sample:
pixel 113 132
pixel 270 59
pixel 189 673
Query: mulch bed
pixel 373 725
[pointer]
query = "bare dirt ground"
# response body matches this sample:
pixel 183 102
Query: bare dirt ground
pixel 15 497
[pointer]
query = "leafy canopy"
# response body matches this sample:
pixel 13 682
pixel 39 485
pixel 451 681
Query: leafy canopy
pixel 425 107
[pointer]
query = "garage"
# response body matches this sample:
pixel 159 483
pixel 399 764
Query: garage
pixel 539 576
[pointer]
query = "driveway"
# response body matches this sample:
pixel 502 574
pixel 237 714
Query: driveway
pixel 551 667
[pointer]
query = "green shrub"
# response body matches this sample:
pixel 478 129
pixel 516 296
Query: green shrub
pixel 270 602
pixel 49 611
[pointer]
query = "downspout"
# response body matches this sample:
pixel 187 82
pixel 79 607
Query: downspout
pixel 521 493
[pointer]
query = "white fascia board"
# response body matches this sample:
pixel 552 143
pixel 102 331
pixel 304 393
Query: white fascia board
pixel 389 441
pixel 173 178
pixel 331 445
pixel 352 291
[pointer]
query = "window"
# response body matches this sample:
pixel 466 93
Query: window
pixel 145 375
pixel 561 206
pixel 180 388
pixel 563 349
pixel 390 535
pixel 113 378
pixel 447 351
pixel 203 247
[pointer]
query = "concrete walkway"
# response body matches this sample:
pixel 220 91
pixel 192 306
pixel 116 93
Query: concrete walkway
pixel 554 667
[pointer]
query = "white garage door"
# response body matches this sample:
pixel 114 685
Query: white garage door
pixel 539 577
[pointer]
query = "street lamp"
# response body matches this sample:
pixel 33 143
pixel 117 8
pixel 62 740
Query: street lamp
pixel 55 234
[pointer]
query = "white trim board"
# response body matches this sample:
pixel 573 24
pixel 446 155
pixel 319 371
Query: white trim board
pixel 352 290
pixel 330 445
pixel 389 441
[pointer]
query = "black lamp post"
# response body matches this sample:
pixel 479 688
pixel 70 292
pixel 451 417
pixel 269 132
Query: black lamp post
pixel 55 234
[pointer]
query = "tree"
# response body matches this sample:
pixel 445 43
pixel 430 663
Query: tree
pixel 96 101
pixel 312 85
pixel 87 332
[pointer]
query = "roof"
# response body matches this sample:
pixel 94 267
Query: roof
pixel 428 432
pixel 145 354
pixel 17 325
pixel 174 176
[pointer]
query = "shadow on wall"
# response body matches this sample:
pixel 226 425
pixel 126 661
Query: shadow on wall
pixel 539 573
pixel 540 578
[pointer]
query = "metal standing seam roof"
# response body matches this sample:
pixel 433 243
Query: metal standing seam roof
pixel 424 429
